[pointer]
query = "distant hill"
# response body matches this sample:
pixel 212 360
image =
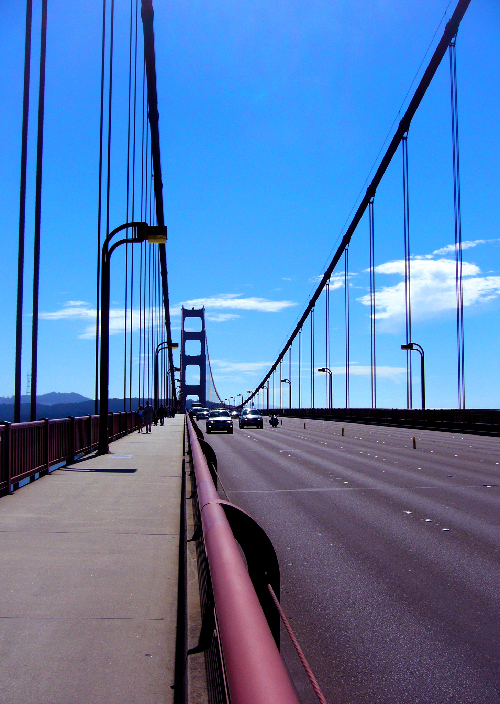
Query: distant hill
pixel 50 399
pixel 61 410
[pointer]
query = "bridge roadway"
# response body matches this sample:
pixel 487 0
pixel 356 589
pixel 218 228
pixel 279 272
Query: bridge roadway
pixel 89 577
pixel 389 556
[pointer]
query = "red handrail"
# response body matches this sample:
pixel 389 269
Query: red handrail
pixel 254 669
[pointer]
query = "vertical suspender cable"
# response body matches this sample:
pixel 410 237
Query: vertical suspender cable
pixel 289 374
pixel 406 227
pixel 347 327
pixel 312 358
pixel 38 211
pixel 133 214
pixel 300 358
pixel 373 358
pixel 129 126
pixel 22 212
pixel 327 344
pixel 99 212
pixel 281 386
pixel 458 225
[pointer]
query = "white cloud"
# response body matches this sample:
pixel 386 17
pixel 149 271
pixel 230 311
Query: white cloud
pixel 234 301
pixel 336 280
pixel 79 310
pixel 468 244
pixel 433 287
pixel 245 367
pixel 221 317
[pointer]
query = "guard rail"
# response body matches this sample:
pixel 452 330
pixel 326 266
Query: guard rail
pixel 30 449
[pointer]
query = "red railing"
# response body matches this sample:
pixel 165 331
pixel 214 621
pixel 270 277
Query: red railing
pixel 254 670
pixel 27 449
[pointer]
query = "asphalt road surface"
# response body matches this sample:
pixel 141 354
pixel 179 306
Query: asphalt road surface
pixel 389 555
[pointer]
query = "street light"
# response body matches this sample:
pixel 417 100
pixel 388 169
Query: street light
pixel 328 371
pixel 266 386
pixel 162 346
pixel 154 235
pixel 287 381
pixel 241 398
pixel 252 404
pixel 413 346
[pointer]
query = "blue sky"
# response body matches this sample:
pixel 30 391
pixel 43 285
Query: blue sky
pixel 272 116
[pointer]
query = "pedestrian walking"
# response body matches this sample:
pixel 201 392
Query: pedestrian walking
pixel 148 416
pixel 140 418
pixel 161 414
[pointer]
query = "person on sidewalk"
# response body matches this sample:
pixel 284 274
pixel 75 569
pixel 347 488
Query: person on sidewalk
pixel 140 418
pixel 148 416
pixel 161 414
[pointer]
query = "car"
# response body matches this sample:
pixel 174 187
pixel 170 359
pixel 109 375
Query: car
pixel 219 420
pixel 249 417
pixel 202 413
pixel 235 414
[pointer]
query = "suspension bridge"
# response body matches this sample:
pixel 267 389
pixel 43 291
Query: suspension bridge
pixel 349 554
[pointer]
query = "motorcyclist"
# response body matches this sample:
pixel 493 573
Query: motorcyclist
pixel 273 420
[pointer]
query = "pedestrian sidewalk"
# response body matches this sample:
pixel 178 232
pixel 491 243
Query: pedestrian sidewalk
pixel 89 577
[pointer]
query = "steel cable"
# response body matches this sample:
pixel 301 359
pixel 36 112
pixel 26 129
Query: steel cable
pixel 459 292
pixel 99 210
pixel 300 653
pixel 38 211
pixel 347 327
pixel 373 359
pixel 406 229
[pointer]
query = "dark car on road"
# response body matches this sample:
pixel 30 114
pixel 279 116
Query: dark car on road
pixel 251 417
pixel 219 420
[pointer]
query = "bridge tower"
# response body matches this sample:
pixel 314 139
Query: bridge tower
pixel 192 358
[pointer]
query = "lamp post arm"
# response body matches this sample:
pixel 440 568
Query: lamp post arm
pixel 139 225
pixel 132 240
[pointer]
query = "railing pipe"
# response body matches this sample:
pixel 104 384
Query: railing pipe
pixel 254 669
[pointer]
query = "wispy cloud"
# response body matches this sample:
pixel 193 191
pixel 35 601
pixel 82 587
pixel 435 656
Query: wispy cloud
pixel 361 370
pixel 223 365
pixel 450 248
pixel 221 317
pixel 80 310
pixel 336 280
pixel 233 301
pixel 433 287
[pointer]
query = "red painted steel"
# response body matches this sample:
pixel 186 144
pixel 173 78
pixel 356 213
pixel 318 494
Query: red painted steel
pixel 27 449
pixel 253 665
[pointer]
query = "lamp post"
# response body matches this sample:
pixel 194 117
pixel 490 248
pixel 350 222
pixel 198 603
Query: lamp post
pixel 267 388
pixel 241 398
pixel 287 381
pixel 251 400
pixel 154 235
pixel 162 346
pixel 413 346
pixel 330 395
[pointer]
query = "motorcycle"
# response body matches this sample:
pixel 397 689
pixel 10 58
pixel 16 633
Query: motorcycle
pixel 274 421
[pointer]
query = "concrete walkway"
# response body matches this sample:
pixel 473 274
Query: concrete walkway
pixel 88 582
